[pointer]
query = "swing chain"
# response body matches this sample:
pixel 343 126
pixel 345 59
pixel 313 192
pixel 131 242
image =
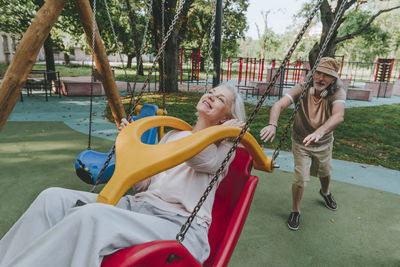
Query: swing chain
pixel 163 51
pixel 157 57
pixel 92 77
pixel 103 170
pixel 309 80
pixel 149 11
pixel 185 227
pixel 212 38
pixel 115 39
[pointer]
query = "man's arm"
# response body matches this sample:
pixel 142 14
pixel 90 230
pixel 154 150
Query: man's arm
pixel 269 131
pixel 336 119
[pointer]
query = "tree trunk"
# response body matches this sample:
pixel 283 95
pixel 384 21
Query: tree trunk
pixel 135 38
pixel 171 71
pixel 129 63
pixel 50 64
pixel 327 18
pixel 171 48
pixel 202 64
pixel 67 59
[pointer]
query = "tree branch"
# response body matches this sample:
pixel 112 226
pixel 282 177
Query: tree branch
pixel 359 31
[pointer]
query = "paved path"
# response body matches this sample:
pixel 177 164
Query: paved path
pixel 74 111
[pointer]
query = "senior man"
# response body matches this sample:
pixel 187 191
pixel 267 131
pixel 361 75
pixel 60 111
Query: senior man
pixel 320 112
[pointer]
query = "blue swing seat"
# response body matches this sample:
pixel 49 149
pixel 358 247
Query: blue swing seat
pixel 89 163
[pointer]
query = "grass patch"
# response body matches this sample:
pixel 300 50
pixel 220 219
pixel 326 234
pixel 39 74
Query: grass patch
pixel 368 135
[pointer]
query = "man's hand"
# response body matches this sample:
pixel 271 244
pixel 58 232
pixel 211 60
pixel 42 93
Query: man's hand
pixel 314 137
pixel 268 133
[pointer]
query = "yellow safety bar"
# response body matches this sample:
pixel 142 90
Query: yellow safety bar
pixel 136 161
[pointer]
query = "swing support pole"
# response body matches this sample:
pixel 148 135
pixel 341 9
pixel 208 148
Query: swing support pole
pixel 29 47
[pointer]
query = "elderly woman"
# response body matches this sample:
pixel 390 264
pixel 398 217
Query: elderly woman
pixel 53 232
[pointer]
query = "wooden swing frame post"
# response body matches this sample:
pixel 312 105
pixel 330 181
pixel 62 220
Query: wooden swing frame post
pixel 29 47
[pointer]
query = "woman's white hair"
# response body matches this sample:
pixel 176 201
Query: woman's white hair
pixel 237 108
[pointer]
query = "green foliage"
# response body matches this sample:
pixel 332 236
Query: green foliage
pixel 371 43
pixel 377 40
pixel 234 25
pixel 68 32
pixel 198 27
pixel 120 22
pixel 16 15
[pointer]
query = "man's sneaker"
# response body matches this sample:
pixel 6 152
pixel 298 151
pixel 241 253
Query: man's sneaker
pixel 294 220
pixel 330 203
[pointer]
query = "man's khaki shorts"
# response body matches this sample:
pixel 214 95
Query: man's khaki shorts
pixel 314 161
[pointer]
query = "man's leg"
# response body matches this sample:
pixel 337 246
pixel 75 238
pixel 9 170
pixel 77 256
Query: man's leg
pixel 301 176
pixel 321 167
pixel 330 202
pixel 325 182
pixel 297 194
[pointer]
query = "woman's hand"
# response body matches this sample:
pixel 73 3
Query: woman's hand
pixel 123 124
pixel 268 133
pixel 235 123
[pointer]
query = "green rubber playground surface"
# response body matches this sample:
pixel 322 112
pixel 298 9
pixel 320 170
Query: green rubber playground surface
pixel 364 231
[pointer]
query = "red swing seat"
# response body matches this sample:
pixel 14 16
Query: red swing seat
pixel 230 209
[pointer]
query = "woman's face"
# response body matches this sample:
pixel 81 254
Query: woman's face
pixel 215 106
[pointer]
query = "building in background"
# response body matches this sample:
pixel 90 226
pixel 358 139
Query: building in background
pixel 8 45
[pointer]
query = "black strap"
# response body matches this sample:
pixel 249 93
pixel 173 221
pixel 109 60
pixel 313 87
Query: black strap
pixel 80 203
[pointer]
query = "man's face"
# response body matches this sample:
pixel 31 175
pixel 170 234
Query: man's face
pixel 322 80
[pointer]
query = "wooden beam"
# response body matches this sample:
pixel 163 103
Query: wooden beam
pixel 25 56
pixel 29 47
pixel 103 67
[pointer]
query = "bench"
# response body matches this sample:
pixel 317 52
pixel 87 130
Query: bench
pixel 83 88
pixel 252 89
pixel 41 80
pixel 359 94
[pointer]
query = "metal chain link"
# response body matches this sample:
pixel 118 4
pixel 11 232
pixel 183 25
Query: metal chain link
pixel 211 41
pixel 163 44
pixel 185 227
pixel 129 89
pixel 116 41
pixel 107 162
pixel 309 77
pixel 147 80
pixel 103 170
pixel 92 77
pixel 149 11
pixel 163 53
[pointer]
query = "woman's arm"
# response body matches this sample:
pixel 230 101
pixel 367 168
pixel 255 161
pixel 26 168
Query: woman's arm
pixel 210 159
